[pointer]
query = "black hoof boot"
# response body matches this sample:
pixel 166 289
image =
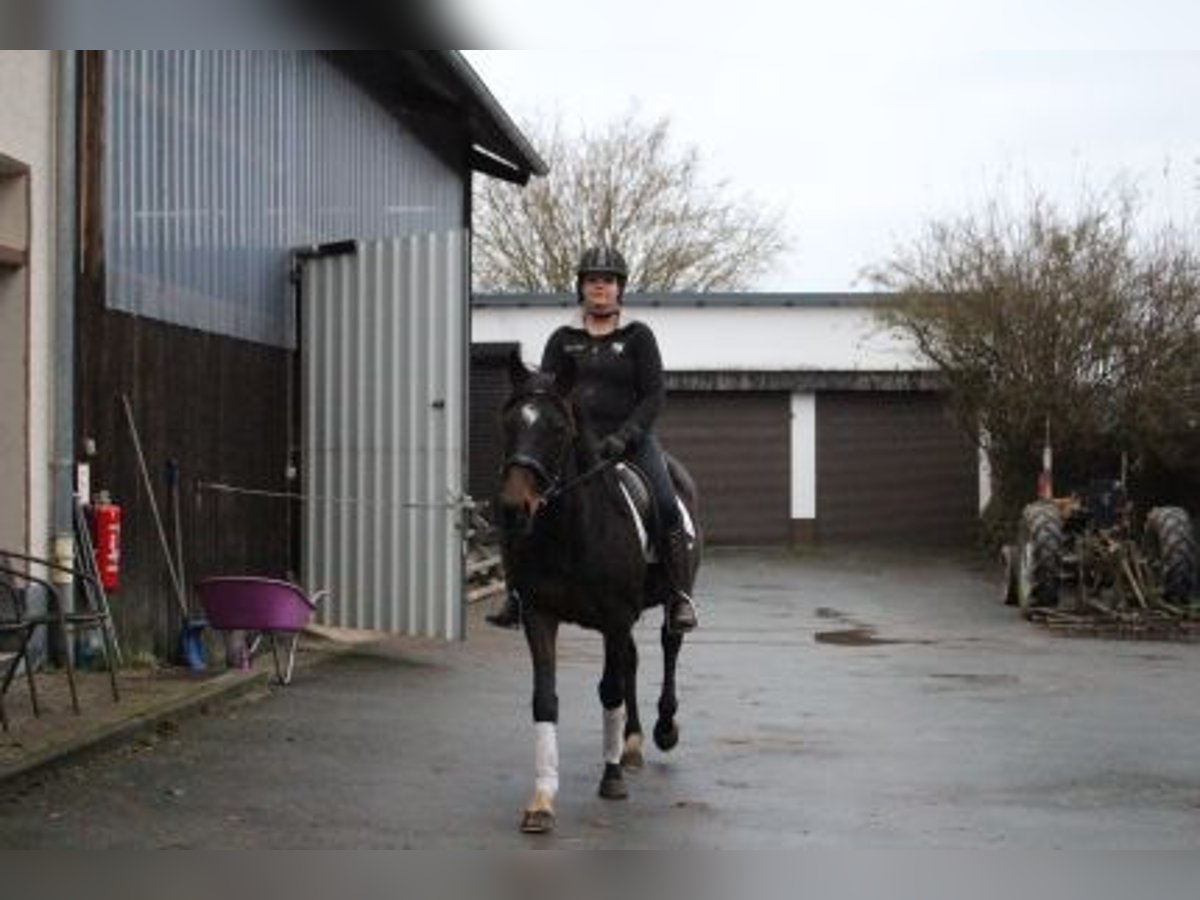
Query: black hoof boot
pixel 509 615
pixel 666 735
pixel 682 618
pixel 612 785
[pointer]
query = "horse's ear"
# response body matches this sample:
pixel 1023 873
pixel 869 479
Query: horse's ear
pixel 564 378
pixel 518 374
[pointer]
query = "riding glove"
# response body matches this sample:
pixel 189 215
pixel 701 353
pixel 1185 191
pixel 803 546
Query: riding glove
pixel 612 447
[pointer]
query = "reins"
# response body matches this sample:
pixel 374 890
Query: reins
pixel 560 488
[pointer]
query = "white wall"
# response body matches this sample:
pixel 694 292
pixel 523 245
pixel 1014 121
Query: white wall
pixel 728 338
pixel 804 456
pixel 27 134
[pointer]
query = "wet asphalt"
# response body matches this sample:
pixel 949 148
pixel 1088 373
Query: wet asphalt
pixel 830 699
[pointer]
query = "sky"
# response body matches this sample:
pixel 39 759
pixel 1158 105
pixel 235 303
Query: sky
pixel 861 121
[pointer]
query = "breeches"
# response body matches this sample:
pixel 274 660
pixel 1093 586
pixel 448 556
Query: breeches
pixel 648 457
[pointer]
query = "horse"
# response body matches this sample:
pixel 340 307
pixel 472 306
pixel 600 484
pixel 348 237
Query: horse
pixel 573 552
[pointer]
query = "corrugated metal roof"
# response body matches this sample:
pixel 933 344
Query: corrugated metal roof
pixel 419 85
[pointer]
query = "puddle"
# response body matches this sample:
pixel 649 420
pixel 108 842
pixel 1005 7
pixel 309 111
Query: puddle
pixel 975 679
pixel 828 612
pixel 852 637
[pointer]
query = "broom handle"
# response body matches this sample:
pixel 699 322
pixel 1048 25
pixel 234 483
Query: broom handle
pixel 173 477
pixel 162 532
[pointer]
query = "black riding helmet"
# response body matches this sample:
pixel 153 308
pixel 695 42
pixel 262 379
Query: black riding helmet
pixel 601 260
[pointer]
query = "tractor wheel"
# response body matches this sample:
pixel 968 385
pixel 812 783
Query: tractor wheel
pixel 1039 555
pixel 1169 543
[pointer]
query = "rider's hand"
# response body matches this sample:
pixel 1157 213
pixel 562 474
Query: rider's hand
pixel 612 447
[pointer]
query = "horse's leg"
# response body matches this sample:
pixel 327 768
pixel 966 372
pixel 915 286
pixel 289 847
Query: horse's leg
pixel 666 731
pixel 612 699
pixel 632 757
pixel 541 632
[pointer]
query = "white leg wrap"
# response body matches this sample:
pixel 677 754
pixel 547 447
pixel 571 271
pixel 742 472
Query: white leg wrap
pixel 545 758
pixel 614 734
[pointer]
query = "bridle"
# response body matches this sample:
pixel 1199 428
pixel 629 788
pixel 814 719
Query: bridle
pixel 551 476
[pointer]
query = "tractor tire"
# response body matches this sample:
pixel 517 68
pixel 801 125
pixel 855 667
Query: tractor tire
pixel 1039 556
pixel 1169 543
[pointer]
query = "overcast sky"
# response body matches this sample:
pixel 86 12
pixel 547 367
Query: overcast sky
pixel 864 121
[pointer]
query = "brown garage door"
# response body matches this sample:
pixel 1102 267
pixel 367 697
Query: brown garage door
pixel 488 391
pixel 893 468
pixel 738 448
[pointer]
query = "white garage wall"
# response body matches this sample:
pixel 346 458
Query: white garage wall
pixel 698 338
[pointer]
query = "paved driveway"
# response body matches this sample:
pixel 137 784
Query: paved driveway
pixel 830 699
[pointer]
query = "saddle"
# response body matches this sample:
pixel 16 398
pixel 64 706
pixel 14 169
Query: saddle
pixel 635 488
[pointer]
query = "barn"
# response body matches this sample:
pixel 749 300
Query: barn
pixel 246 319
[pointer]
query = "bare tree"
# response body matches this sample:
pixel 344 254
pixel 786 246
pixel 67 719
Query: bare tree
pixel 1043 318
pixel 625 186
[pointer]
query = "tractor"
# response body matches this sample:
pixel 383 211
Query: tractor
pixel 1083 557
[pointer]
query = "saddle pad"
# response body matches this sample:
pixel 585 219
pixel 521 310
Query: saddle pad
pixel 637 495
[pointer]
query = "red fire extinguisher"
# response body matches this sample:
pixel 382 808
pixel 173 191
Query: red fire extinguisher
pixel 106 539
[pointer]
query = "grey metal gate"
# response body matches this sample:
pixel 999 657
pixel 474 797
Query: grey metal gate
pixel 384 351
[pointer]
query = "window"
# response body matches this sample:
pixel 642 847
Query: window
pixel 14 213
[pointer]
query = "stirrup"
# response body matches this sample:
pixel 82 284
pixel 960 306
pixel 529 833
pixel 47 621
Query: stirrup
pixel 509 615
pixel 681 614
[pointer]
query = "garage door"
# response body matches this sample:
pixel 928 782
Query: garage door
pixel 737 446
pixel 488 390
pixel 893 468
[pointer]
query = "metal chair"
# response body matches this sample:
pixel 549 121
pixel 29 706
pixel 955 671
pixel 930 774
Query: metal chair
pixel 17 628
pixel 69 619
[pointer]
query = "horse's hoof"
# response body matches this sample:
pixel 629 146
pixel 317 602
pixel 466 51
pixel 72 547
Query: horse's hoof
pixel 612 785
pixel 537 821
pixel 632 757
pixel 666 735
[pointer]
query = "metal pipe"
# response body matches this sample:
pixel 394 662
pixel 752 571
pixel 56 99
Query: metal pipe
pixel 65 255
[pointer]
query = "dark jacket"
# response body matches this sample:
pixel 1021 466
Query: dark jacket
pixel 618 377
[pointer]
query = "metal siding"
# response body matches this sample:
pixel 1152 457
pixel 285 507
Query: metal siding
pixel 384 353
pixel 893 468
pixel 737 447
pixel 220 161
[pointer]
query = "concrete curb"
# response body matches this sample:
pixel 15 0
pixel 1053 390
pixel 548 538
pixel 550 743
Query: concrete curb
pixel 221 689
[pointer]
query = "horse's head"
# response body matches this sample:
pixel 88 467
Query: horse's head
pixel 539 431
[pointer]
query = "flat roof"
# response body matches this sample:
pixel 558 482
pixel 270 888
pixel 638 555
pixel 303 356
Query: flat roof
pixel 684 299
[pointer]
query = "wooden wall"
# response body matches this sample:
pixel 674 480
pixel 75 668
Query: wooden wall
pixel 216 406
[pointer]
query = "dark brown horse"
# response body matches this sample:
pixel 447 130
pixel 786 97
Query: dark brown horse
pixel 574 553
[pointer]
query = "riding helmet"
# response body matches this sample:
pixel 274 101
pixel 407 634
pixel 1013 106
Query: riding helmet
pixel 601 260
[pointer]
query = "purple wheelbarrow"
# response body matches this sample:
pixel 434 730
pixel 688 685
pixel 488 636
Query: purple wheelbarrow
pixel 262 607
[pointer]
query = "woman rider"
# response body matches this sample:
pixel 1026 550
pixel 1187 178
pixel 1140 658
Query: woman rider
pixel 619 388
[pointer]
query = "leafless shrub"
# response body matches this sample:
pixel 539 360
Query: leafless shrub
pixel 1046 319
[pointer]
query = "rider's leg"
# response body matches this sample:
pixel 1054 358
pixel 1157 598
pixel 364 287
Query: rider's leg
pixel 672 542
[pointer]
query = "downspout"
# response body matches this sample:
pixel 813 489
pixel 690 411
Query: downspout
pixel 65 255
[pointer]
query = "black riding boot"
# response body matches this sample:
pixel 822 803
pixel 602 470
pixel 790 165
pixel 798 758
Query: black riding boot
pixel 681 610
pixel 509 615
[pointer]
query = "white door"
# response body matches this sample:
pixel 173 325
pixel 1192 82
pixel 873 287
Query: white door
pixel 384 349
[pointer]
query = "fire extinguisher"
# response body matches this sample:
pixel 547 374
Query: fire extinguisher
pixel 106 540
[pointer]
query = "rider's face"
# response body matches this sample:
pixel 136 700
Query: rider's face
pixel 601 295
